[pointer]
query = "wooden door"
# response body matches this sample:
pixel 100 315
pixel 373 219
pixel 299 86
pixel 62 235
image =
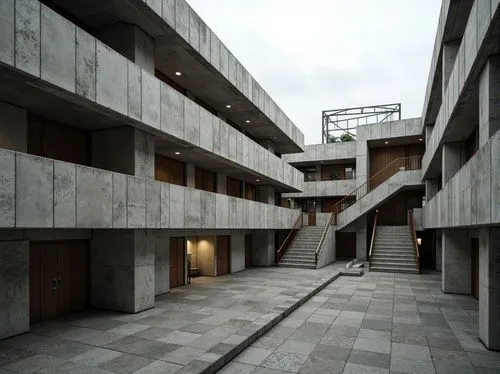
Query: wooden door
pixel 248 251
pixel 345 245
pixel 312 218
pixel 222 255
pixel 177 262
pixel 73 280
pixel 475 267
pixel 49 292
pixel 35 283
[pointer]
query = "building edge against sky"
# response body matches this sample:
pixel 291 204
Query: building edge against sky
pixel 133 143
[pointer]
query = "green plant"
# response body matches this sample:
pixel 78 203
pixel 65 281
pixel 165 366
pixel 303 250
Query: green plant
pixel 332 139
pixel 346 137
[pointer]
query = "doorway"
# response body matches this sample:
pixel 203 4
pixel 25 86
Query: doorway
pixel 475 267
pixel 59 278
pixel 177 261
pixel 223 258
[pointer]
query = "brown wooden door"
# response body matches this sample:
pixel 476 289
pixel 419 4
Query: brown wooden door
pixel 475 267
pixel 58 278
pixel 345 245
pixel 177 262
pixel 248 251
pixel 222 255
pixel 312 218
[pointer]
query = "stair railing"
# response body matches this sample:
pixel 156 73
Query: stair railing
pixel 289 238
pixel 373 235
pixel 411 223
pixel 399 164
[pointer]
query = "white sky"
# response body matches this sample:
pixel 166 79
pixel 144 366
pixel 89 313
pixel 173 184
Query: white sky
pixel 329 54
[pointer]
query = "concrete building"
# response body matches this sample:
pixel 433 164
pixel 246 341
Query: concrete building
pixel 135 149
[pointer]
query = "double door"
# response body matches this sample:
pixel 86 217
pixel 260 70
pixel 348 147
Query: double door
pixel 177 260
pixel 59 278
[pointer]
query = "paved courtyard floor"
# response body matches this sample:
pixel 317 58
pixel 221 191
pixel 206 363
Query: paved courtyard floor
pixel 379 323
pixel 191 329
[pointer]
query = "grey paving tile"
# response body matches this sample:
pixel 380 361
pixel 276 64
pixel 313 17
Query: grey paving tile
pixel 488 359
pixel 96 356
pixel 380 360
pixel 296 346
pixel 253 356
pixel 182 355
pixel 330 352
pixel 321 365
pixel 351 368
pixel 285 361
pixel 372 345
pixel 404 365
pixel 159 367
pixel 34 363
pixel 237 368
pixel 125 363
pixel 410 352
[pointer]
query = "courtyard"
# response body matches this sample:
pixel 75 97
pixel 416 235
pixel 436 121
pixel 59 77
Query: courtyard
pixel 379 323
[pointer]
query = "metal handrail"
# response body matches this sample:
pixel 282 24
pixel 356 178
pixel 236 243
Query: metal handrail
pixel 402 163
pixel 411 223
pixel 289 238
pixel 373 235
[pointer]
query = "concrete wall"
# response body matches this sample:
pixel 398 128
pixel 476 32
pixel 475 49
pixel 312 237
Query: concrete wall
pixel 472 196
pixel 237 253
pixel 205 255
pixel 92 73
pixel 263 248
pixel 84 197
pixel 328 250
pixel 162 265
pixel 456 277
pixel 324 188
pixel 14 288
pixel 13 127
pixel 319 152
pixel 197 36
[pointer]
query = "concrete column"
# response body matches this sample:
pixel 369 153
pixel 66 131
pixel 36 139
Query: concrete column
pixel 361 244
pixel 237 253
pixel 456 263
pixel 162 265
pixel 124 150
pixel 489 100
pixel 450 51
pixel 13 128
pixel 263 248
pixel 431 188
pixel 439 250
pixel 265 194
pixel 123 270
pixel 428 133
pixel 132 42
pixel 221 183
pixel 190 175
pixel 14 288
pixel 451 160
pixel 489 287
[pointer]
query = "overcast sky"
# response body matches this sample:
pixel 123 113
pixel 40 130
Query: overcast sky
pixel 329 54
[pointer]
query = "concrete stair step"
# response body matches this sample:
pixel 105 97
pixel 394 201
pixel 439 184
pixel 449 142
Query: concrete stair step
pixel 296 265
pixel 393 270
pixel 392 258
pixel 409 265
pixel 393 253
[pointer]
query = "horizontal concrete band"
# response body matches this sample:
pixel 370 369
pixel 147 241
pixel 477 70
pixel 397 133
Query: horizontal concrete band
pixel 37 192
pixel 50 48
pixel 381 193
pixel 195 32
pixel 325 188
pixel 320 152
pixel 465 73
pixel 472 196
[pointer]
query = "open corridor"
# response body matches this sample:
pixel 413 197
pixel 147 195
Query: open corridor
pixel 379 323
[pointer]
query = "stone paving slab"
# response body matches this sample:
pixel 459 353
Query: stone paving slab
pixel 399 324
pixel 193 329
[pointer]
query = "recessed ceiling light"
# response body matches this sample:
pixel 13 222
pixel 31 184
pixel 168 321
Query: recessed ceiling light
pixel 247 121
pixel 177 153
pixel 386 142
pixel 228 106
pixel 257 180
pixel 420 139
pixel 178 73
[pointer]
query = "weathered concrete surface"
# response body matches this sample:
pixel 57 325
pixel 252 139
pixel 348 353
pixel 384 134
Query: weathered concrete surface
pixel 456 261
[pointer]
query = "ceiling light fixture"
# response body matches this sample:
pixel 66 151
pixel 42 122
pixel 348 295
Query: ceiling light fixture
pixel 386 142
pixel 257 180
pixel 228 106
pixel 247 121
pixel 420 139
pixel 178 73
pixel 177 153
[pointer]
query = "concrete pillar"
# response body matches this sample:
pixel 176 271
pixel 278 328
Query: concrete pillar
pixel 456 263
pixel 450 51
pixel 13 128
pixel 237 256
pixel 361 243
pixel 124 150
pixel 452 155
pixel 265 194
pixel 263 248
pixel 14 288
pixel 221 183
pixel 431 188
pixel 162 265
pixel 132 42
pixel 428 133
pixel 190 175
pixel 439 250
pixel 489 287
pixel 489 100
pixel 123 270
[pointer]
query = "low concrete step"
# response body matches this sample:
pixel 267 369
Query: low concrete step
pixel 296 265
pixel 393 270
pixel 393 258
pixel 406 265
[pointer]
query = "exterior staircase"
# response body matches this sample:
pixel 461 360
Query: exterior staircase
pixel 393 250
pixel 302 251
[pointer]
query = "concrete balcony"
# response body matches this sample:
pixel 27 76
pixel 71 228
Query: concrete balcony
pixel 60 71
pixel 472 196
pixel 375 198
pixel 323 152
pixel 37 192
pixel 325 188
